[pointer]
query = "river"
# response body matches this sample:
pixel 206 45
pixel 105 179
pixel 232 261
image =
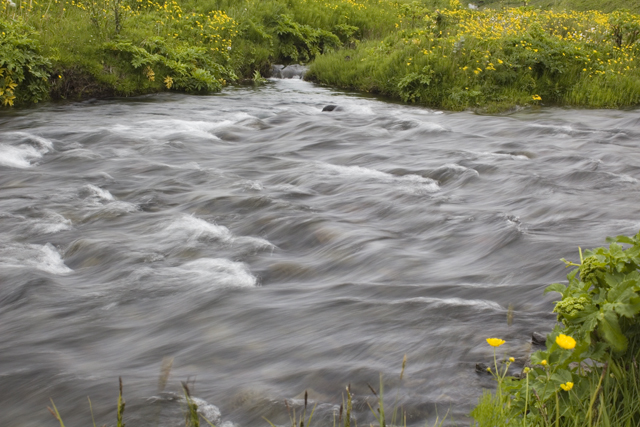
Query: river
pixel 262 247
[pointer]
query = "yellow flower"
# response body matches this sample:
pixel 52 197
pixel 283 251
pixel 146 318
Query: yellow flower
pixel 544 362
pixel 495 342
pixel 567 386
pixel 565 342
pixel 488 369
pixel 536 97
pixel 511 359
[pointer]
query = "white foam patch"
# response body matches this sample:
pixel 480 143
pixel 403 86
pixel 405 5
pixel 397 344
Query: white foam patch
pixel 204 272
pixel 433 127
pixel 623 178
pixel 18 157
pixel 455 302
pixel 363 110
pixel 252 185
pixel 118 207
pixel 188 227
pixel 557 128
pixel 24 154
pixel 458 168
pixel 52 222
pixel 100 193
pixel 160 129
pixel 42 257
pixel 410 182
pixel 208 411
pixel 501 155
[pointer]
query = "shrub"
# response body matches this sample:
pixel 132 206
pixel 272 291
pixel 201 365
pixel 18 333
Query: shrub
pixel 24 72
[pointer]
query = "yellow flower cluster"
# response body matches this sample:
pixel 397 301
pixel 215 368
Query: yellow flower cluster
pixel 7 88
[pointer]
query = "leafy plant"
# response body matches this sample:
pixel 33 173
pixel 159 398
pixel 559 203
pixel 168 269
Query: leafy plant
pixel 24 72
pixel 601 302
pixel 583 375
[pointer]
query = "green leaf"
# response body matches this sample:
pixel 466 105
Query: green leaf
pixel 597 352
pixel 556 287
pixel 622 239
pixel 609 328
pixel 562 376
pixel 628 310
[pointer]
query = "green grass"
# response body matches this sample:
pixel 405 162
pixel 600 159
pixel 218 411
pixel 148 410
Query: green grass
pixel 494 60
pixel 581 5
pixel 430 52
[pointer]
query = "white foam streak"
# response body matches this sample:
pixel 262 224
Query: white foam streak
pixel 189 228
pixel 21 156
pixel 209 273
pixel 458 168
pixel 100 193
pixel 410 182
pixel 42 257
pixel 459 302
pixel 52 222
pixel 17 157
pixel 193 228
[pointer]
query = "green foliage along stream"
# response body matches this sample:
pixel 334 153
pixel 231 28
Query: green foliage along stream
pixel 460 58
pixel 588 374
pixel 431 52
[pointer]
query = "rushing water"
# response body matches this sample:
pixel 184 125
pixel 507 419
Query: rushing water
pixel 268 248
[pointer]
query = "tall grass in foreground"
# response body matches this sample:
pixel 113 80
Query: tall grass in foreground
pixel 384 416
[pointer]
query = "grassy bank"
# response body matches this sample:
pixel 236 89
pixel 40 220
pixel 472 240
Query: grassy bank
pixel 459 58
pixel 432 52
pixel 69 48
pixel 606 6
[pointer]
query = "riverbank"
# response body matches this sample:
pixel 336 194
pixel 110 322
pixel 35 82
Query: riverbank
pixel 436 53
pixel 457 59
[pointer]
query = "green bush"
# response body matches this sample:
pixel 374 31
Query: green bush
pixel 24 72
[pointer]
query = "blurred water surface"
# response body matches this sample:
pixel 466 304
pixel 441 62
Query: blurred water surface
pixel 269 247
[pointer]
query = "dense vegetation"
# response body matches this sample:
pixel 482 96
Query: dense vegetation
pixel 433 52
pixel 459 58
pixel 588 374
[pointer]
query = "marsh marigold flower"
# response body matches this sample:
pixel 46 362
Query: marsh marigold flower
pixel 565 342
pixel 544 362
pixel 511 359
pixel 495 342
pixel 567 386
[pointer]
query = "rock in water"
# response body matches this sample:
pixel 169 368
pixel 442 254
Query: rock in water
pixel 332 107
pixel 538 338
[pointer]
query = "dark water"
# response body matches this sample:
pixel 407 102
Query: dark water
pixel 268 248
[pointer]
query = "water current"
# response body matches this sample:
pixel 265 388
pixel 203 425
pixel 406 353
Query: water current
pixel 267 248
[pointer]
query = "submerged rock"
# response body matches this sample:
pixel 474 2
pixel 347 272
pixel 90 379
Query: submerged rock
pixel 538 338
pixel 332 107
